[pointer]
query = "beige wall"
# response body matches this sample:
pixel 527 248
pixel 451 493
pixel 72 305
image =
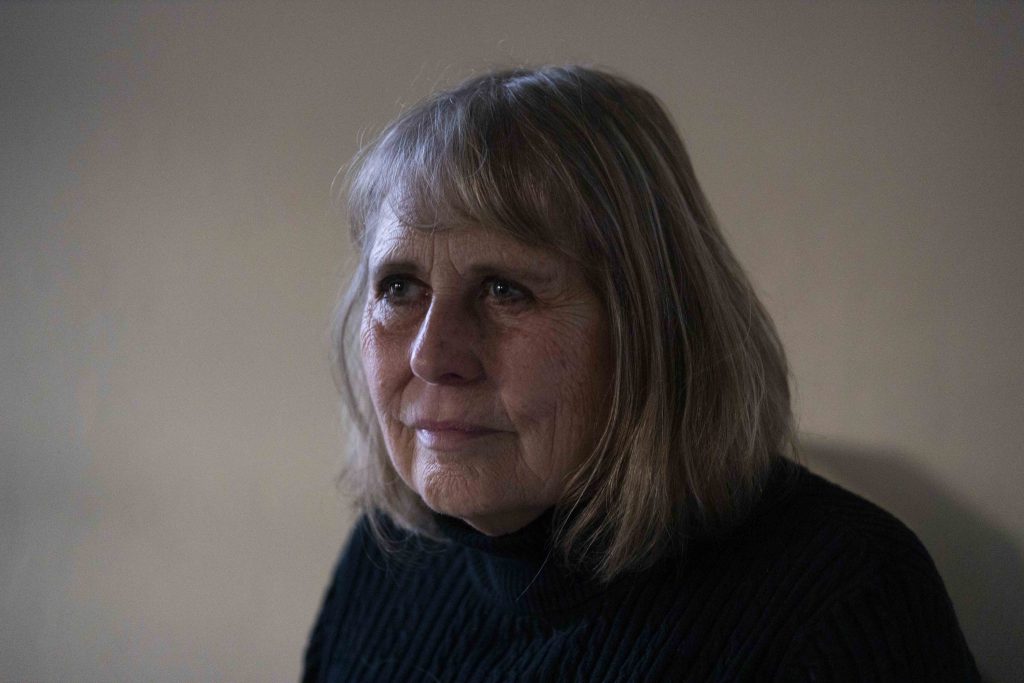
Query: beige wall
pixel 168 262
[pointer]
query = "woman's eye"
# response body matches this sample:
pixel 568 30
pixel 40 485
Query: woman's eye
pixel 396 289
pixel 505 292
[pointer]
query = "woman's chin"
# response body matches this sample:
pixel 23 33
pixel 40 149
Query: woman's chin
pixel 485 501
pixel 498 524
pixel 481 515
pixel 487 517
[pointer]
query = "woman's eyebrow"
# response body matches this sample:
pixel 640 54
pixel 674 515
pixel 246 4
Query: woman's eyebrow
pixel 395 255
pixel 391 266
pixel 534 274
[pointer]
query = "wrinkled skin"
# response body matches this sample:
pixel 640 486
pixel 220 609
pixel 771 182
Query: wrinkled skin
pixel 466 324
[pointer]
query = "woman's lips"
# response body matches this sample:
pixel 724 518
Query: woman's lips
pixel 449 435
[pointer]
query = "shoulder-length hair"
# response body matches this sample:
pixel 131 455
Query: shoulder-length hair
pixel 588 164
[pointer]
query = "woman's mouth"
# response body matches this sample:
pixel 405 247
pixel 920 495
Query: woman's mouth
pixel 449 435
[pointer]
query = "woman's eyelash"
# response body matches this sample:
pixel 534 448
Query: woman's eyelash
pixel 521 293
pixel 384 287
pixel 513 293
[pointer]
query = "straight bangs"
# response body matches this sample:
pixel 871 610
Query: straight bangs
pixel 475 156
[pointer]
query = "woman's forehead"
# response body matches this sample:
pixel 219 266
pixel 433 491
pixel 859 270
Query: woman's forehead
pixel 470 249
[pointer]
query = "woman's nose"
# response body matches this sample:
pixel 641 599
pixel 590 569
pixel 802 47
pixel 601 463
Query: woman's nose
pixel 445 348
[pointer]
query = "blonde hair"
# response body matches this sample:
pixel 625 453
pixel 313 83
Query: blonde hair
pixel 589 164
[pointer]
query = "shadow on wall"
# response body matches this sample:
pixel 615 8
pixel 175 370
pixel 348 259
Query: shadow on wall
pixel 982 567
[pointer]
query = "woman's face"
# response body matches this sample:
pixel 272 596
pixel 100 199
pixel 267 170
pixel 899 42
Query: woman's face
pixel 487 362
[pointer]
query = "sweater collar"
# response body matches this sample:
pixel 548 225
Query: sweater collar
pixel 520 571
pixel 529 541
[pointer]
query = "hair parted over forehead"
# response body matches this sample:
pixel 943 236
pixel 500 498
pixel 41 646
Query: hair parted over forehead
pixel 588 164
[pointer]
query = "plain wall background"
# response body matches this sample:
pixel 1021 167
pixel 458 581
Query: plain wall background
pixel 169 260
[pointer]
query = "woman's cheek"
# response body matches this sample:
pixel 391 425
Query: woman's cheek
pixel 572 370
pixel 384 379
pixel 382 362
pixel 385 318
pixel 533 378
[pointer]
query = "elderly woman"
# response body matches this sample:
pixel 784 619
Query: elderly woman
pixel 572 424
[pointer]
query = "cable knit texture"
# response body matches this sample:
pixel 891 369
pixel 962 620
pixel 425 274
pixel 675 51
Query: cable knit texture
pixel 817 585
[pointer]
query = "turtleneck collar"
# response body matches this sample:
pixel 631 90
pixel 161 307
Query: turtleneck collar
pixel 520 571
pixel 530 540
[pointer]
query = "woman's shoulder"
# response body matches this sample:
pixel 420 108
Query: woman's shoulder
pixel 366 570
pixel 809 529
pixel 377 540
pixel 868 597
pixel 822 515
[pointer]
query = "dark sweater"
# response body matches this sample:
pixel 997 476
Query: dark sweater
pixel 817 585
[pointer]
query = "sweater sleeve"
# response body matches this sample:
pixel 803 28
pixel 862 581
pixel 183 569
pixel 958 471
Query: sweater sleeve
pixel 891 626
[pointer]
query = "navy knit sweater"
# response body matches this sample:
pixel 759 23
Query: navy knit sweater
pixel 817 585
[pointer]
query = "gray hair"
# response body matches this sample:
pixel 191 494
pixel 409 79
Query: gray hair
pixel 588 164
